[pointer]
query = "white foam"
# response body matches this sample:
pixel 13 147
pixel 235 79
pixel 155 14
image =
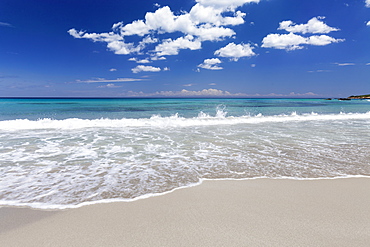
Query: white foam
pixel 103 160
pixel 47 206
pixel 172 121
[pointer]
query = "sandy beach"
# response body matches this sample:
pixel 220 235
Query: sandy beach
pixel 260 212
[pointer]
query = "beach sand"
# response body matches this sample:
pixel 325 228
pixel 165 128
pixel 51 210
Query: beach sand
pixel 259 212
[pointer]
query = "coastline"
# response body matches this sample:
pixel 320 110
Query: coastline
pixel 258 212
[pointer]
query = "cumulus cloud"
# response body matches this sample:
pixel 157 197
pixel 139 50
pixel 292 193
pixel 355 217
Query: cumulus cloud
pixel 289 41
pixel 134 59
pixel 367 2
pixel 226 4
pixel 110 85
pixel 368 23
pixel 293 41
pixel 207 20
pixel 114 41
pixel 313 26
pixel 211 92
pixel 142 68
pixel 213 15
pixel 156 58
pixel 235 52
pixel 100 80
pixel 211 64
pixel 172 47
pixel 204 92
pixel 186 93
pixel 293 94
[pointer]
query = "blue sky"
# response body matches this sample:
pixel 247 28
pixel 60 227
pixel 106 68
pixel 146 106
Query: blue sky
pixel 228 48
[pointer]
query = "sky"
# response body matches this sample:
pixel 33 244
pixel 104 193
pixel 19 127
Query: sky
pixel 187 48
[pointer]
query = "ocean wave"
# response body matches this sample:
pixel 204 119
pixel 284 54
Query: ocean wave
pixel 75 162
pixel 176 120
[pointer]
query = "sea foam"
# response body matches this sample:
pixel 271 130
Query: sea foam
pixel 50 163
pixel 172 121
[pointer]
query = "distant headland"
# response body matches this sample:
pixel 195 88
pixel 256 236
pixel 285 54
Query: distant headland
pixel 365 96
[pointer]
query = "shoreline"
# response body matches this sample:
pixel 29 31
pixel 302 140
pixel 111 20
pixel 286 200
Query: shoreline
pixel 57 208
pixel 254 212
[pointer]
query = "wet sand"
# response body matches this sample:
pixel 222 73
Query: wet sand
pixel 260 212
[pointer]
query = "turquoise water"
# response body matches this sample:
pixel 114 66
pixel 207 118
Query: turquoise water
pixel 34 109
pixel 63 153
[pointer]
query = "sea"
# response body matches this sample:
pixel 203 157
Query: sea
pixel 59 153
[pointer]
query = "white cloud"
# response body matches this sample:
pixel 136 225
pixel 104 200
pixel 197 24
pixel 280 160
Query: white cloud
pixel 121 48
pixel 164 20
pixel 205 92
pixel 293 94
pixel 143 61
pixel 319 71
pixel 110 85
pixel 156 58
pixel 114 41
pixel 207 20
pixel 106 37
pixel 142 68
pixel 292 41
pixel 289 41
pixel 209 14
pixel 203 22
pixel 313 26
pixel 134 59
pixel 187 93
pixel 135 28
pixel 212 93
pixel 345 64
pixel 236 51
pixel 226 4
pixel 368 23
pixel 321 40
pixel 208 33
pixel 5 24
pixel 112 70
pixel 367 2
pixel 172 47
pixel 211 64
pixel 99 80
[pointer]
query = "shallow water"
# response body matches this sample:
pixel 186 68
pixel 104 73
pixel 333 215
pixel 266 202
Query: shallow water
pixel 60 153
